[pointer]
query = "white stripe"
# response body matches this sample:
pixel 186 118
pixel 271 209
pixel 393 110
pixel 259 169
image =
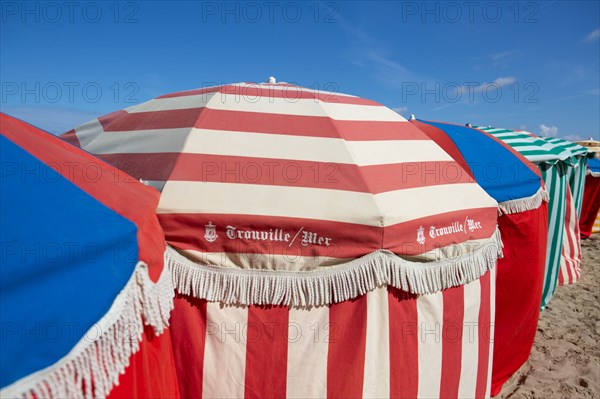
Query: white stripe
pixel 224 352
pixel 318 149
pixel 470 343
pixel 272 105
pixel 430 310
pixel 307 352
pixel 376 383
pixel 88 132
pixel 139 141
pixel 383 209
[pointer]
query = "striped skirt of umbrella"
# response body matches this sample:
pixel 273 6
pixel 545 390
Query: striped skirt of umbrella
pixel 556 185
pixel 570 264
pixel 386 343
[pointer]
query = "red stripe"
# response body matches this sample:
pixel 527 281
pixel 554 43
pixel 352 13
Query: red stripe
pixel 485 336
pixel 147 166
pixel 452 334
pixel 108 185
pixel 71 138
pixel 284 172
pixel 288 92
pixel 188 337
pixel 335 176
pixel 171 119
pixel 443 140
pixel 308 126
pixel 266 352
pixel 107 119
pixel 404 344
pixel 348 240
pixel 241 121
pixel 346 354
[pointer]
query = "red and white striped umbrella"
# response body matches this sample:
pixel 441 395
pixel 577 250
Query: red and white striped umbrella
pixel 273 194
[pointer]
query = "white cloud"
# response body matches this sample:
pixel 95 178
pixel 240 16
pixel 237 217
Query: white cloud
pixel 592 36
pixel 400 110
pixel 499 56
pixel 548 131
pixel 476 87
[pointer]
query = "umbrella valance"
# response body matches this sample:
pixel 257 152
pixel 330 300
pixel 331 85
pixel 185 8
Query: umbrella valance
pixel 273 193
pixel 82 267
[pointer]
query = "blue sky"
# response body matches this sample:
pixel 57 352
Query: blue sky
pixel 530 65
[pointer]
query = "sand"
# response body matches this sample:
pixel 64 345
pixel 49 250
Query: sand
pixel 565 359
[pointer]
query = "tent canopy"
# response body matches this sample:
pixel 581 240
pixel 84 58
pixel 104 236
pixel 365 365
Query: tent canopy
pixel 315 197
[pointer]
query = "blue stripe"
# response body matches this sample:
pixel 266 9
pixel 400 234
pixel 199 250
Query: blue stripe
pixel 65 257
pixel 594 165
pixel 495 168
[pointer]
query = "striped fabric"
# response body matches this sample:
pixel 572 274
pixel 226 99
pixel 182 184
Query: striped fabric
pixel 596 227
pixel 273 177
pixel 578 172
pixel 570 264
pixel 384 344
pixel 535 149
pixel 556 164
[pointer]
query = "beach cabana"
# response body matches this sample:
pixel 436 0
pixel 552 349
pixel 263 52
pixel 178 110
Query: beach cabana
pixel 309 246
pixel 556 163
pixel 517 186
pixel 570 262
pixel 84 293
pixel 590 212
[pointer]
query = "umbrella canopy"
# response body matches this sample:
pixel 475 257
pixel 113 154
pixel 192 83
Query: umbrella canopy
pixel 82 267
pixel 503 173
pixel 516 184
pixel 285 195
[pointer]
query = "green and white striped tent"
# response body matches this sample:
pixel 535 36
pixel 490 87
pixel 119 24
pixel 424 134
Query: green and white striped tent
pixel 562 164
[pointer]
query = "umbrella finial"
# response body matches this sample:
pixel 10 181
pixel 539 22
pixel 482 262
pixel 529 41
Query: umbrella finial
pixel 412 117
pixel 272 80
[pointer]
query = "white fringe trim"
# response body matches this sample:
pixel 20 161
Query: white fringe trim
pixel 593 174
pixel 335 284
pixel 92 368
pixel 523 204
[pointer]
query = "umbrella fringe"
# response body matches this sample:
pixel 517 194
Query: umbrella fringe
pixel 523 204
pixel 336 284
pixel 593 174
pixel 93 366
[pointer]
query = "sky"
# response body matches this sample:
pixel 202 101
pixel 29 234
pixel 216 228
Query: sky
pixel 521 65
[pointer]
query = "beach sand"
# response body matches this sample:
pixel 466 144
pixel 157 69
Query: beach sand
pixel 565 359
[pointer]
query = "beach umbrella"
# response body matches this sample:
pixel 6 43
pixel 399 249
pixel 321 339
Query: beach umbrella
pixel 516 184
pixel 82 271
pixel 590 212
pixel 320 243
pixel 557 163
